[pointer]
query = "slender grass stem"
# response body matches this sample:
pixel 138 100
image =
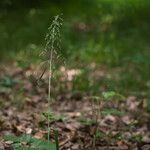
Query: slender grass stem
pixel 52 44
pixel 49 91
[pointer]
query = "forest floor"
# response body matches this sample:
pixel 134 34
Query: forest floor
pixel 82 125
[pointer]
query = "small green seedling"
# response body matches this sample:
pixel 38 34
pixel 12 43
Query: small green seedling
pixel 52 117
pixel 110 94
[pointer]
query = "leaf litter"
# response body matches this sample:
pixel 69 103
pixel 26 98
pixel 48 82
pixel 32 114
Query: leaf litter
pixel 23 104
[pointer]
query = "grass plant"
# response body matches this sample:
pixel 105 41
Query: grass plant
pixel 51 50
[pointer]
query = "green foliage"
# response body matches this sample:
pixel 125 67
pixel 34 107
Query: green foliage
pixel 7 82
pixel 56 139
pixel 31 143
pixel 100 134
pixel 96 98
pixel 49 115
pixel 77 86
pixel 137 138
pixel 86 121
pixel 106 34
pixel 52 117
pixel 111 94
pixel 111 111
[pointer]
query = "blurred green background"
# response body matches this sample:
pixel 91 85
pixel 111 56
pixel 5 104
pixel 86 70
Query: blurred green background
pixel 113 33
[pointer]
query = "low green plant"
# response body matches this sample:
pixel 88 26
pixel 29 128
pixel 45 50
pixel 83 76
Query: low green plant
pixel 111 111
pixel 86 121
pixel 100 134
pixel 110 94
pixel 104 99
pixel 27 142
pixel 98 110
pixel 53 117
pixel 7 82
